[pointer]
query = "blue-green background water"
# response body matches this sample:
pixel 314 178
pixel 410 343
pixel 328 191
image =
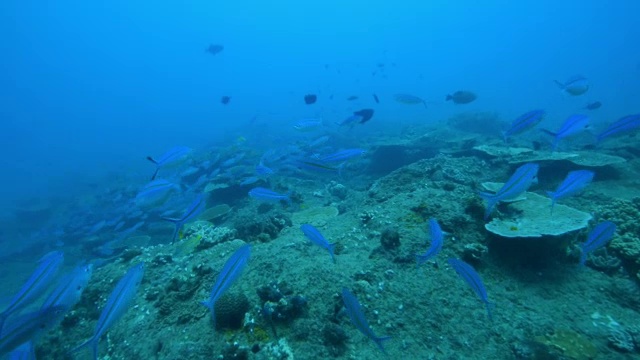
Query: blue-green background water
pixel 89 88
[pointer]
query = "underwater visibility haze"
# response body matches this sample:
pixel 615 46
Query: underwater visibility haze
pixel 334 179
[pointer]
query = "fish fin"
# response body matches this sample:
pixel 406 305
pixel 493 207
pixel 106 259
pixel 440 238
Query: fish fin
pixel 92 342
pixel 330 248
pixel 152 160
pixel 179 225
pixel 491 203
pixel 549 132
pixel 155 173
pixel 379 339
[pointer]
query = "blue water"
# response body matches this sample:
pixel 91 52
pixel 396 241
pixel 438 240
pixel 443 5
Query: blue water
pixel 89 89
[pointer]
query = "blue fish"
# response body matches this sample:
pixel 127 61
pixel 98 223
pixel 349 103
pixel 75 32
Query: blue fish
pixel 116 306
pixel 316 237
pixel 469 274
pixel 197 206
pixel 437 237
pixel 597 238
pixel 249 180
pixel 624 125
pixel 70 288
pixel 263 170
pixel 317 166
pixel 231 271
pixel 572 184
pixel 342 155
pixel 28 327
pixel 172 157
pixel 354 310
pixel 575 85
pixel 517 184
pixel 524 122
pixel 351 120
pixel 155 193
pixel 264 194
pixel 23 352
pixel 37 284
pixel 306 125
pixel 572 125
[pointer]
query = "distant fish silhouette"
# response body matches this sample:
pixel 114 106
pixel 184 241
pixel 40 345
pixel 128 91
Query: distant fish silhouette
pixel 214 49
pixel 310 99
pixel 375 97
pixel 575 85
pixel 352 97
pixel 461 97
pixel 409 99
pixel 225 99
pixel 593 105
pixel 366 115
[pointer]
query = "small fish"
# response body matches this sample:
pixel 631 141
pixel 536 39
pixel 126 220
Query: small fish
pixel 307 125
pixel 597 238
pixel 316 237
pixel 366 115
pixel 352 97
pixel 249 180
pixel 572 125
pixel 351 120
pixel 264 194
pixel 518 183
pixel 437 237
pixel 155 193
pixel 342 155
pixel 317 165
pixel 262 169
pixel 319 141
pixel 375 98
pixel 70 288
pixel 593 105
pixel 116 306
pixel 28 327
pixel 35 286
pixel 409 99
pixel 572 184
pixel 225 99
pixel 524 122
pixel 231 271
pixel 623 125
pixel 575 85
pixel 310 99
pixel 172 157
pixel 471 277
pixel 461 97
pixel 197 206
pixel 354 310
pixel 214 49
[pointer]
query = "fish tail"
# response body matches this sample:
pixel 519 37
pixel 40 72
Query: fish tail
pixel 178 223
pixel 549 132
pixel 491 203
pixel 155 173
pixel 92 342
pixel 330 248
pixel 561 85
pixel 553 197
pixel 379 341
pixel 449 97
pixel 489 306
pixel 152 160
pixel 504 136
